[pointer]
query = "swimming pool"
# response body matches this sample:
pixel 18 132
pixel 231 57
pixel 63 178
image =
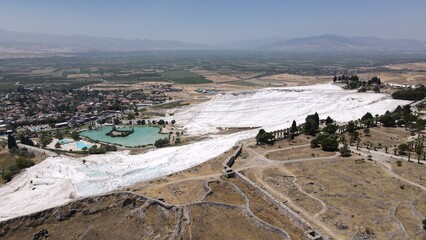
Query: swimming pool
pixel 142 135
pixel 63 141
pixel 81 145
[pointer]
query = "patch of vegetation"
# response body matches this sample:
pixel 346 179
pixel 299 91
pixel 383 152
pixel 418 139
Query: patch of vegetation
pixel 345 151
pixel 311 124
pixel 161 142
pixel 20 163
pixel 327 143
pixel 353 82
pixel 185 77
pixel 410 94
pixel 263 137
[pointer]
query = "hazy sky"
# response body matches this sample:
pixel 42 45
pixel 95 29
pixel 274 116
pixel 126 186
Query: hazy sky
pixel 215 21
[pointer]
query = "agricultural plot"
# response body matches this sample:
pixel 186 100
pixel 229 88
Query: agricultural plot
pixel 184 77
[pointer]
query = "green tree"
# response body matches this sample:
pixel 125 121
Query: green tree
pixel 316 143
pixel 345 151
pixel 264 137
pixel 26 140
pixel 388 120
pixel 419 152
pixel 351 127
pixel 11 142
pixel 329 120
pixel 293 127
pixel 330 129
pixel 45 140
pixel 59 135
pixel 116 121
pixel 403 148
pixel 329 144
pixel 75 136
pixel 420 125
pixel 311 124
pixel 161 142
pixel 367 119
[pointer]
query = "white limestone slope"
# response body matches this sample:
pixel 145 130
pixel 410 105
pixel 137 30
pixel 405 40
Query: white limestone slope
pixel 58 180
pixel 275 108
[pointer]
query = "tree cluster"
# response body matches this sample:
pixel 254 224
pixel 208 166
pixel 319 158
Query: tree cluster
pixel 97 150
pixel 264 137
pixel 353 82
pixel 410 94
pixel 26 140
pixel 327 143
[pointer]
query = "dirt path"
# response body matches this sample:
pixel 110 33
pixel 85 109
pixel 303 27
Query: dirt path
pixel 382 159
pixel 258 161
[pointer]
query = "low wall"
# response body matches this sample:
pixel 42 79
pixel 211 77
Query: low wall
pixel 299 221
pixel 231 160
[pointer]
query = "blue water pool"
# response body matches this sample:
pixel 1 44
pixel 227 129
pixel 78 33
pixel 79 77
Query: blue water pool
pixel 142 135
pixel 81 145
pixel 64 141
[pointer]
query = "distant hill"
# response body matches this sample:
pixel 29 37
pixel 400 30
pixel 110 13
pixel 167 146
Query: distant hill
pixel 37 42
pixel 339 43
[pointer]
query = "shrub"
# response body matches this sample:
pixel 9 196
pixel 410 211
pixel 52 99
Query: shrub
pixel 22 163
pixel 399 163
pixel 161 142
pixel 95 150
pixel 345 151
pixel 329 144
pixel 110 148
pixel 7 176
pixel 403 148
pixel 13 168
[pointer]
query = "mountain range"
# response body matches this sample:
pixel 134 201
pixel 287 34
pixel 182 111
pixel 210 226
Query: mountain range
pixel 20 42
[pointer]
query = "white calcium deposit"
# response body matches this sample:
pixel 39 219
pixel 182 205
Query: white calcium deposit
pixel 58 180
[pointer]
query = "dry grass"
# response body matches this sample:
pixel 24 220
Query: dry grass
pixel 390 137
pixel 298 153
pixel 223 223
pixel 289 80
pixel 421 66
pixel 358 195
pixel 412 78
pixel 224 192
pixel 411 170
pixel 269 213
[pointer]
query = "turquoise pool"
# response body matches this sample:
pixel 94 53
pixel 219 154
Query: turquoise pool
pixel 63 141
pixel 80 145
pixel 142 135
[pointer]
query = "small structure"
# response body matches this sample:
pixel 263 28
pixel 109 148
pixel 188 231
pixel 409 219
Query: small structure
pixel 62 125
pixel 312 235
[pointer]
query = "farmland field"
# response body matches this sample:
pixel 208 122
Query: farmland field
pixel 184 77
